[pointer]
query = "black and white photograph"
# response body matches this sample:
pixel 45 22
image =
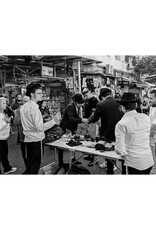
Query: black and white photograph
pixel 77 114
pixel 69 114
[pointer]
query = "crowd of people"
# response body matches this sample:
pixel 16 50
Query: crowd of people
pixel 126 120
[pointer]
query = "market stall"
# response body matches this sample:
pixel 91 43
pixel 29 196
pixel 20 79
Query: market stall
pixel 85 149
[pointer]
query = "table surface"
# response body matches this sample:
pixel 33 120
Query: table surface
pixel 62 145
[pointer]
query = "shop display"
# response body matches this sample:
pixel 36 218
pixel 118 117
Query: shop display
pixel 58 97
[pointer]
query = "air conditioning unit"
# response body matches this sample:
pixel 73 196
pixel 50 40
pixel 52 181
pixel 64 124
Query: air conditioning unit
pixel 109 69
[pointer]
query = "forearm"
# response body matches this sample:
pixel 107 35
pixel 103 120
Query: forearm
pixel 75 120
pixel 2 126
pixel 120 140
pixel 93 118
pixel 120 151
pixel 153 130
pixel 49 124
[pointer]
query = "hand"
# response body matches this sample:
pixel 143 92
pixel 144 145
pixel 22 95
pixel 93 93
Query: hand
pixel 57 118
pixel 117 152
pixel 120 153
pixel 85 120
pixel 58 115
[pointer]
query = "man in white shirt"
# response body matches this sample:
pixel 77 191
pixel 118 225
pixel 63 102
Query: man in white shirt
pixel 33 127
pixel 152 116
pixel 132 137
pixel 4 134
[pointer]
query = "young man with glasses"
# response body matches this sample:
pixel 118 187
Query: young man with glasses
pixel 33 127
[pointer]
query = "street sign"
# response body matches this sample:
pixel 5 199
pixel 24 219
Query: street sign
pixel 47 71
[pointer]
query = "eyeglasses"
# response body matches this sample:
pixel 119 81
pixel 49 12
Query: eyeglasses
pixel 39 93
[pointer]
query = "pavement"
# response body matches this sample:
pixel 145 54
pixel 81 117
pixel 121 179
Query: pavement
pixel 16 160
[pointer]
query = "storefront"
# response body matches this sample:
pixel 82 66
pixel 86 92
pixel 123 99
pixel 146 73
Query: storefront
pixel 60 76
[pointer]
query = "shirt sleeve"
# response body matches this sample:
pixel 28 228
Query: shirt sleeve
pixel 3 124
pixel 96 115
pixel 95 102
pixel 120 132
pixel 154 122
pixel 38 121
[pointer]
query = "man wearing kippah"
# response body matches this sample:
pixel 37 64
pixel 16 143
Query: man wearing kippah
pixel 33 127
pixel 108 111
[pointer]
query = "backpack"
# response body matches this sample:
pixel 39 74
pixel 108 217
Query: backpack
pixel 53 134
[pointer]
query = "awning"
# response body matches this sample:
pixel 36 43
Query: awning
pixel 141 85
pixel 92 73
pixel 124 79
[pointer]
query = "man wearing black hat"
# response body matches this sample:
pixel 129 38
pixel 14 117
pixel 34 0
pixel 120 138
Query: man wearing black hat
pixel 71 119
pixel 132 137
pixel 109 113
pixel 33 127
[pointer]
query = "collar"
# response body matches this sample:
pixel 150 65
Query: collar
pixel 131 113
pixel 33 102
pixel 109 97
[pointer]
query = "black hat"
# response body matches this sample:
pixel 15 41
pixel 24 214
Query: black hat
pixel 128 98
pixel 78 98
pixel 31 87
pixel 103 92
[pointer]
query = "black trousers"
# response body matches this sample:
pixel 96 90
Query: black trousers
pixel 4 155
pixel 110 167
pixel 34 151
pixel 24 154
pixel 136 171
pixel 18 134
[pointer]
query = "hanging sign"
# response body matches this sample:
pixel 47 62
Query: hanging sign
pixel 69 82
pixel 47 71
pixel 75 65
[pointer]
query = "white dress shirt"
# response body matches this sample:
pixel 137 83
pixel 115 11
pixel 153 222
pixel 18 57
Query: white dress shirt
pixel 132 140
pixel 32 122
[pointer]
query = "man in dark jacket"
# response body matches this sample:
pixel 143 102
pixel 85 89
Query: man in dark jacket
pixel 109 113
pixel 71 119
